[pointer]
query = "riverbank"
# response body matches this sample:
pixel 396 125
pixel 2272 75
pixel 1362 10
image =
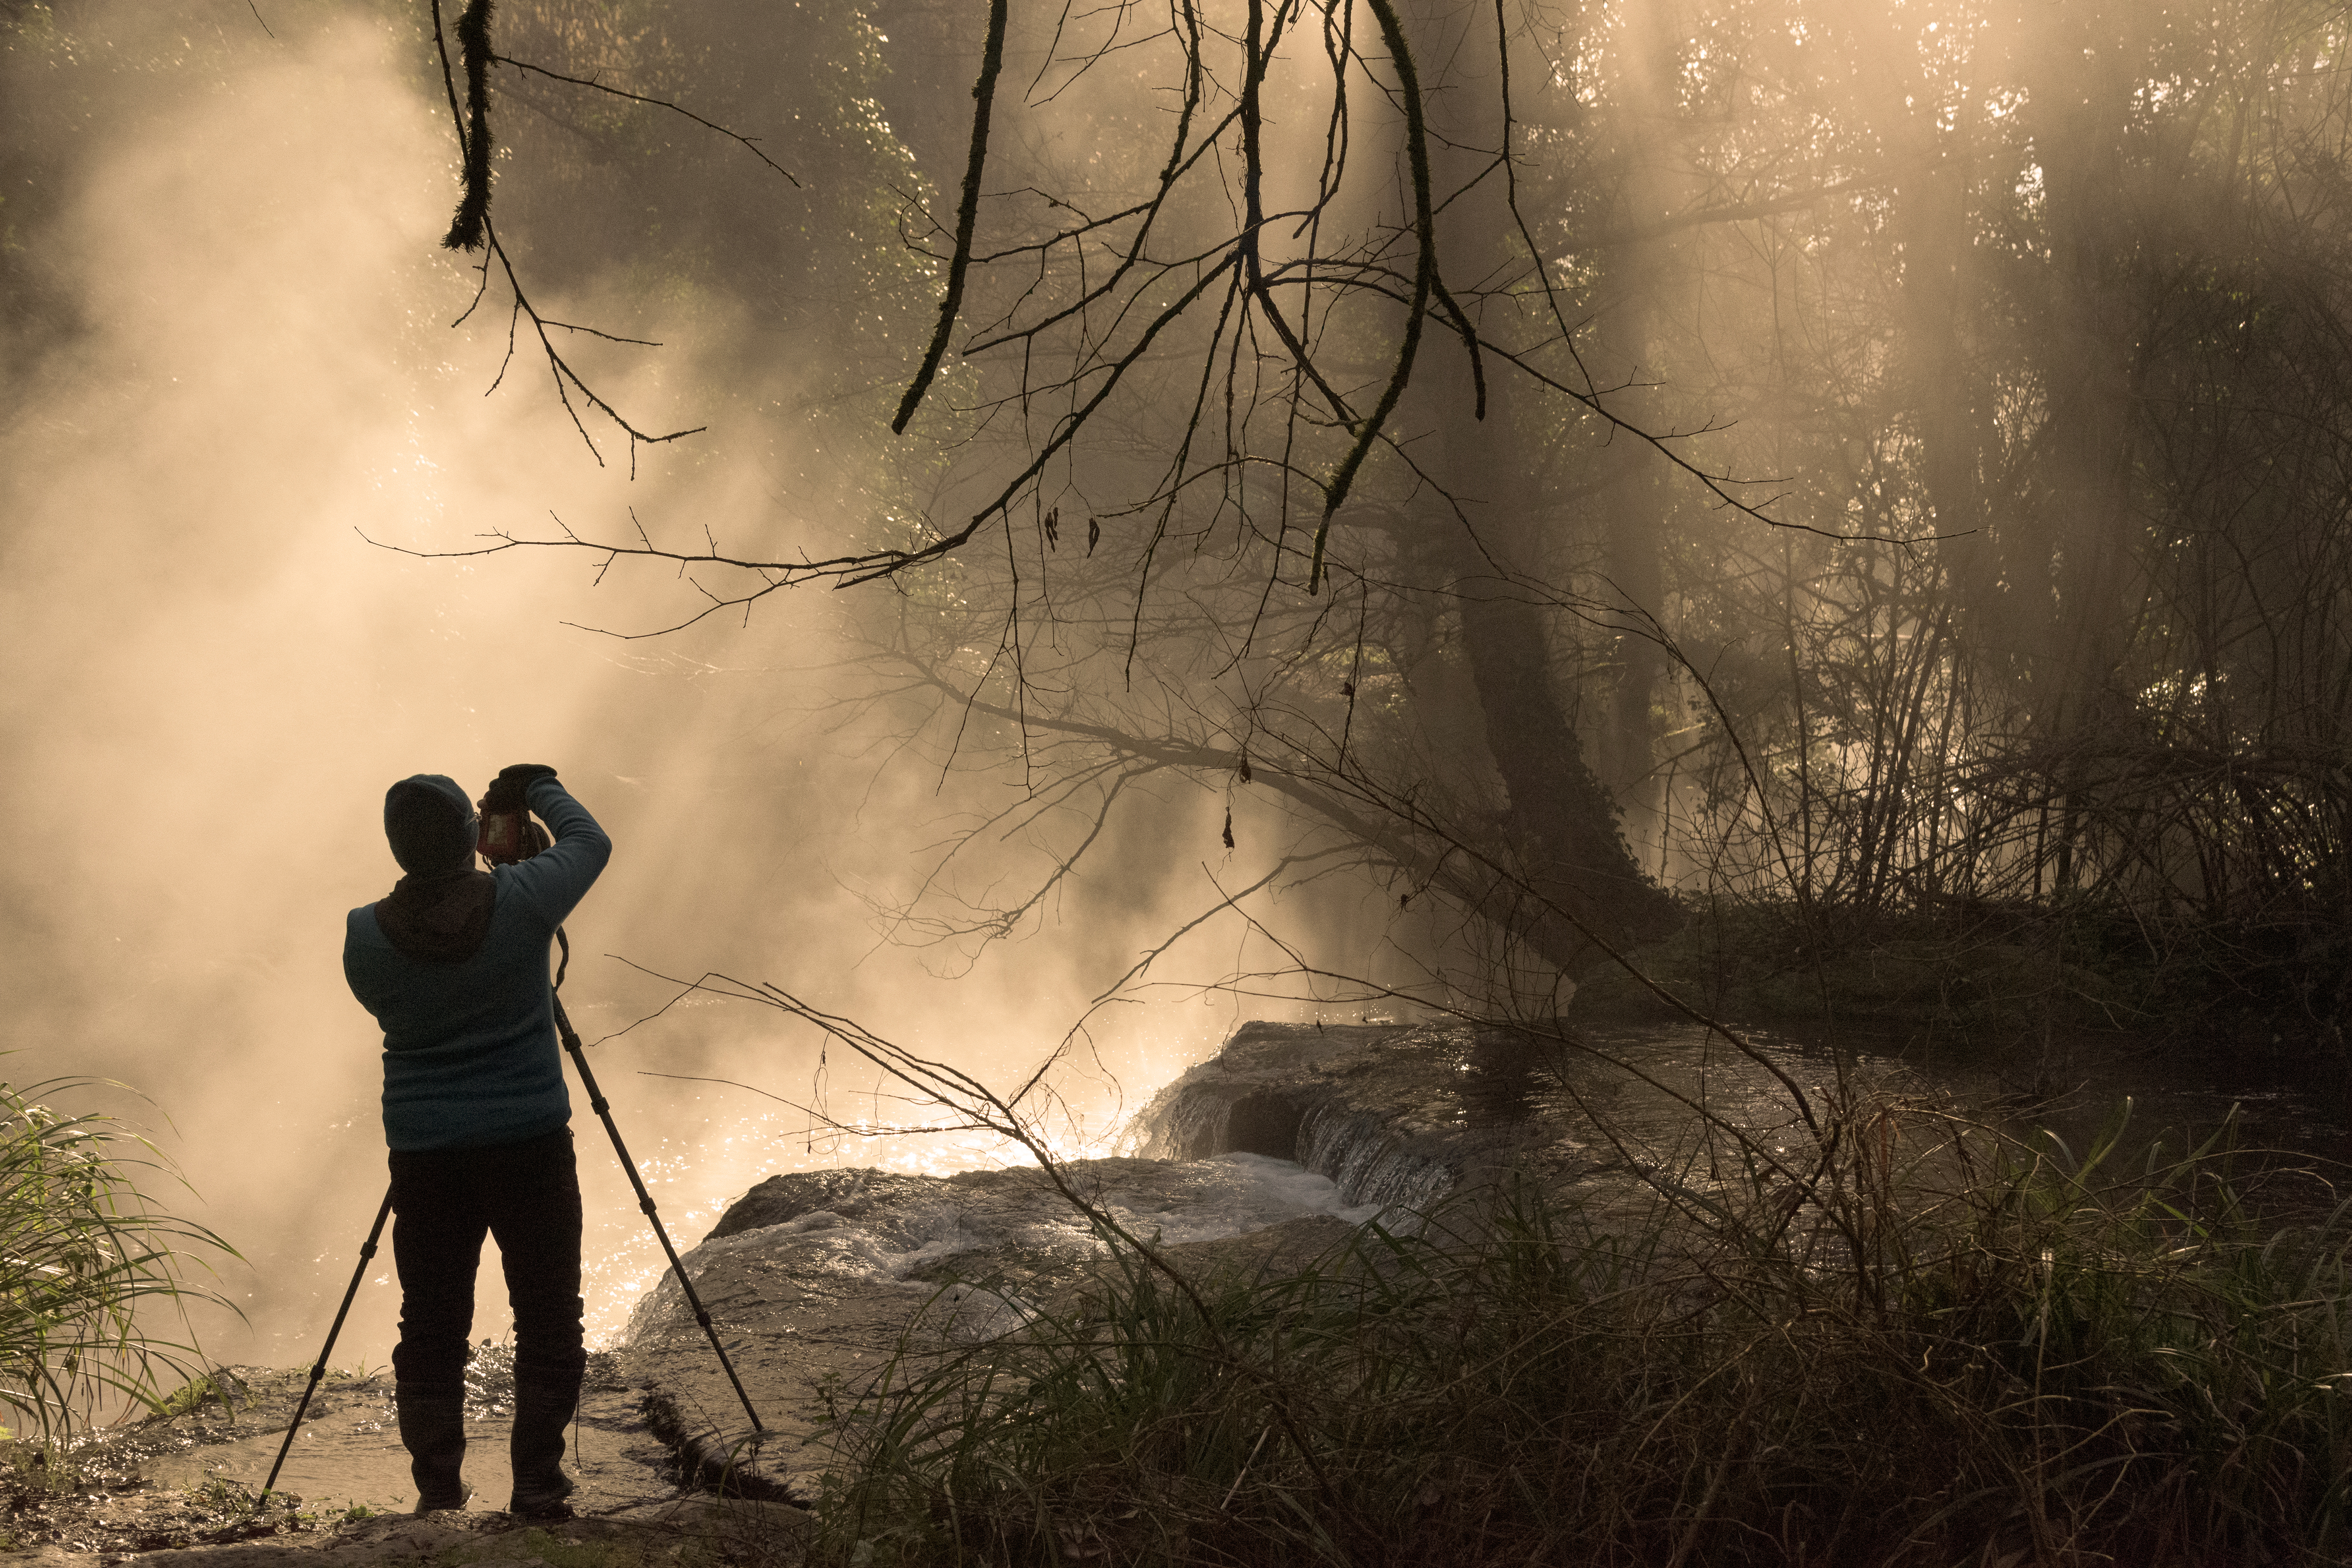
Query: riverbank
pixel 1662 1302
pixel 816 1278
pixel 1431 1293
pixel 2027 1370
pixel 1998 976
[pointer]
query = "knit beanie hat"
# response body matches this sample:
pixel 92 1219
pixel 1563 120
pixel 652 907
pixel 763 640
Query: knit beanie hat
pixel 431 824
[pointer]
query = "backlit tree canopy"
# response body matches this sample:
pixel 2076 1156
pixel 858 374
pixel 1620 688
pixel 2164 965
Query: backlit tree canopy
pixel 1887 460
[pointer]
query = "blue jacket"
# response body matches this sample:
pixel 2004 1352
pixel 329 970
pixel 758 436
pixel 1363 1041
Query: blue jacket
pixel 470 1056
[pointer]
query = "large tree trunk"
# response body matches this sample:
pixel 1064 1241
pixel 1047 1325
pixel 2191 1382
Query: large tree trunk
pixel 1561 827
pixel 1645 287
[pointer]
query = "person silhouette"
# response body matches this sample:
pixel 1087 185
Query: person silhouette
pixel 453 965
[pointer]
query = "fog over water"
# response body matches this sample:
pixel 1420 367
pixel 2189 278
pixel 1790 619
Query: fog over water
pixel 1867 531
pixel 211 676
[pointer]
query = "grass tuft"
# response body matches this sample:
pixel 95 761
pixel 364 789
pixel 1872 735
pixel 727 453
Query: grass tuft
pixel 86 1265
pixel 1938 1344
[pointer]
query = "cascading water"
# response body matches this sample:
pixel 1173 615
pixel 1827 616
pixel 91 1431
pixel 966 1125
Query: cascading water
pixel 1392 1115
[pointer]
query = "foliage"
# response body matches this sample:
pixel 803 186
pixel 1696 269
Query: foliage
pixel 196 1394
pixel 1953 1346
pixel 87 1264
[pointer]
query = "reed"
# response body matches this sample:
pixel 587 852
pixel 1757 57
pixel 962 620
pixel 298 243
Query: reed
pixel 90 1269
pixel 1939 1344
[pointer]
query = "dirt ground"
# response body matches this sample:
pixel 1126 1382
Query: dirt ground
pixel 187 1487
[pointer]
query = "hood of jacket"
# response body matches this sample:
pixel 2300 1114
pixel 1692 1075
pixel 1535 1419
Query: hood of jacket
pixel 440 911
pixel 438 920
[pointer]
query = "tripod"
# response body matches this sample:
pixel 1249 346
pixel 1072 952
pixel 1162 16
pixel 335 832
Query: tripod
pixel 603 1107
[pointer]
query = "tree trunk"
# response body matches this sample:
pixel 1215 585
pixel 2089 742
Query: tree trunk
pixel 1560 825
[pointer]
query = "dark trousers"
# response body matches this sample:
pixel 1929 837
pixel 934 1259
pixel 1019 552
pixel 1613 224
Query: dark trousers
pixel 444 1202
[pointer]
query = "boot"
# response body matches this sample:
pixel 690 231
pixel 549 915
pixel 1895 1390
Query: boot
pixel 433 1430
pixel 543 1407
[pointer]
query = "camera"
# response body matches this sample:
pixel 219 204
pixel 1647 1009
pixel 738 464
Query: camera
pixel 508 836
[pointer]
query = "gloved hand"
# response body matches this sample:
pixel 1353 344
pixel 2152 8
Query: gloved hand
pixel 507 790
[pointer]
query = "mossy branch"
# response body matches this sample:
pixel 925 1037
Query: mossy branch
pixel 469 229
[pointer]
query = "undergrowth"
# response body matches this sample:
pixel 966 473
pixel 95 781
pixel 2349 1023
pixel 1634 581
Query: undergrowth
pixel 89 1269
pixel 1934 1344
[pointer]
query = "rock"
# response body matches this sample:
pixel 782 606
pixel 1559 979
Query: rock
pixel 823 1284
pixel 779 1199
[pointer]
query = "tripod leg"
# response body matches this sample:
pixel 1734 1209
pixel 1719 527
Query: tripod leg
pixel 603 1107
pixel 319 1368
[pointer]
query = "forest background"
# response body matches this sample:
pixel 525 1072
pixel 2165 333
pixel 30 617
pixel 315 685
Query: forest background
pixel 1842 503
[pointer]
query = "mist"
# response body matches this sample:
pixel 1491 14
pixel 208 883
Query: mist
pixel 1713 503
pixel 248 401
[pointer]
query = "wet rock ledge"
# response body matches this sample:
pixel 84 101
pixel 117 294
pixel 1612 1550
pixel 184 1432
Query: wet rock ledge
pixel 1394 1114
pixel 821 1283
